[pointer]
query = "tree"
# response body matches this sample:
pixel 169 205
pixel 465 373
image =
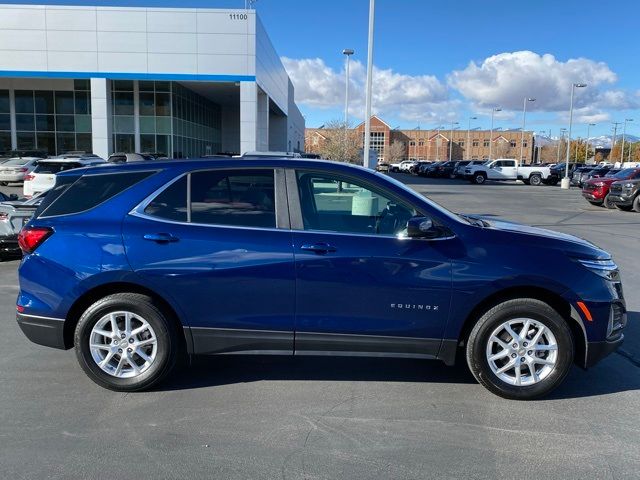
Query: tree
pixel 343 144
pixel 395 152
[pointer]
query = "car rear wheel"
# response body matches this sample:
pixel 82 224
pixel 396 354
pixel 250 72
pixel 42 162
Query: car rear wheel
pixel 636 204
pixel 125 342
pixel 479 178
pixel 624 208
pixel 535 180
pixel 520 349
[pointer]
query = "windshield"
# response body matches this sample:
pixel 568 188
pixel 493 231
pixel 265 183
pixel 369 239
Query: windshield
pixel 56 167
pixel 624 173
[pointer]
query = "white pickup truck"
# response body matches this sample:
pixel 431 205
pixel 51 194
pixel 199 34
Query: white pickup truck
pixel 507 169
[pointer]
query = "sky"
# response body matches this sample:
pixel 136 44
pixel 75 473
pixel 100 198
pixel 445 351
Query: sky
pixel 442 62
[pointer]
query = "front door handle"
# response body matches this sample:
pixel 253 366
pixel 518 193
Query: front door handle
pixel 320 248
pixel 160 237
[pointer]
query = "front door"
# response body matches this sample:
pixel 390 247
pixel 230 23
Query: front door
pixel 505 170
pixel 359 288
pixel 211 241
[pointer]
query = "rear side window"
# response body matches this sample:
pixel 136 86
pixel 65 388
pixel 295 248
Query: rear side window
pixel 90 191
pixel 61 185
pixel 243 198
pixel 55 167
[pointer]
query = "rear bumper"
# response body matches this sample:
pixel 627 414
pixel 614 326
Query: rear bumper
pixel 12 178
pixel 596 351
pixel 43 330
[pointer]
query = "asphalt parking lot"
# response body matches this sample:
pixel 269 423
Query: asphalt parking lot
pixel 297 417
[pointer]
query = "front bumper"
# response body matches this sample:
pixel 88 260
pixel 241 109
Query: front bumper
pixel 9 246
pixel 621 200
pixel 594 197
pixel 43 330
pixel 596 351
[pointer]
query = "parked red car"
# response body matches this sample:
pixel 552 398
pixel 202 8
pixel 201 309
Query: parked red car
pixel 596 190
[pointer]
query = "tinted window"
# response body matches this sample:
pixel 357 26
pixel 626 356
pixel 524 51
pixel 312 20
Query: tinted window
pixel 117 159
pixel 61 185
pixel 55 167
pixel 334 203
pixel 171 203
pixel 90 191
pixel 239 198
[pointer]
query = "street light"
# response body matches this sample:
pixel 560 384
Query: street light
pixel 624 132
pixel 586 148
pixel 468 149
pixel 367 119
pixel 347 52
pixel 524 120
pixel 565 181
pixel 451 139
pixel 493 111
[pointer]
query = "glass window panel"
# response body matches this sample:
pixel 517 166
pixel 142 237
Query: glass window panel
pixel 163 104
pixel 83 123
pixel 47 142
pixel 24 101
pixel 147 104
pixel 64 103
pixel 238 198
pixel 147 125
pixel 45 123
pixel 82 103
pixel 44 101
pixel 171 203
pixel 4 101
pixel 25 122
pixel 26 140
pixel 81 85
pixel 5 121
pixel 123 124
pixel 65 123
pixel 163 87
pixel 124 143
pixel 162 144
pixel 84 142
pixel 66 142
pixel 123 85
pixel 145 86
pixel 147 143
pixel 123 103
pixel 5 142
pixel 163 125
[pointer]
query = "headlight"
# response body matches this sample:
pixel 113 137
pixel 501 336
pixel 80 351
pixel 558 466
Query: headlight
pixel 605 268
pixel 628 185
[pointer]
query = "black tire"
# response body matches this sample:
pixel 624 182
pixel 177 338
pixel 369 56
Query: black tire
pixel 479 178
pixel 636 204
pixel 513 309
pixel 535 180
pixel 596 204
pixel 606 203
pixel 145 307
pixel 624 208
pixel 552 181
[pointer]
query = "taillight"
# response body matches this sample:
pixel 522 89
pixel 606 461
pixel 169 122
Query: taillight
pixel 24 169
pixel 4 216
pixel 29 177
pixel 31 238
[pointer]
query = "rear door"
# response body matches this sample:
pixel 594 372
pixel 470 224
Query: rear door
pixel 218 241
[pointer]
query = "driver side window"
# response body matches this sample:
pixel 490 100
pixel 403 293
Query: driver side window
pixel 339 204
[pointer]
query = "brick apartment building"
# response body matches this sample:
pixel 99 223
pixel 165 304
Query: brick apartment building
pixel 434 145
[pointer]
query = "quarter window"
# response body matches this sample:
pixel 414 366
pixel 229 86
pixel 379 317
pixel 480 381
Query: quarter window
pixel 333 203
pixel 171 203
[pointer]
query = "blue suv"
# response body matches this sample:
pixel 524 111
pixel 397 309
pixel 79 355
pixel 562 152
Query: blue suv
pixel 137 264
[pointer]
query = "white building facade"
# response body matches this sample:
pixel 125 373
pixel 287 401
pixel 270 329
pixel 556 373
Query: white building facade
pixel 177 81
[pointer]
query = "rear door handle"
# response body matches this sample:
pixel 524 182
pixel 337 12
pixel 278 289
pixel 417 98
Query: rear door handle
pixel 320 248
pixel 160 237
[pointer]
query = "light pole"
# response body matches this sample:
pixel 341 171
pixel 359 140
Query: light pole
pixel 438 144
pixel 468 149
pixel 451 139
pixel 624 132
pixel 524 120
pixel 347 52
pixel 562 130
pixel 586 148
pixel 565 181
pixel 367 120
pixel 493 111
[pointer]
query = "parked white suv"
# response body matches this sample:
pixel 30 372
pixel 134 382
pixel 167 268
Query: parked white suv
pixel 44 175
pixel 508 169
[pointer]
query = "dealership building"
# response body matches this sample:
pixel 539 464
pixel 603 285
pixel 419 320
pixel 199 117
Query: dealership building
pixel 178 81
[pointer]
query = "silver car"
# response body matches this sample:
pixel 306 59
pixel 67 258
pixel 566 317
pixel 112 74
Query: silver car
pixel 16 169
pixel 14 214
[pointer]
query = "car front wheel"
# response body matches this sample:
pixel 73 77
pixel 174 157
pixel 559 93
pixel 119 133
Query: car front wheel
pixel 520 349
pixel 125 342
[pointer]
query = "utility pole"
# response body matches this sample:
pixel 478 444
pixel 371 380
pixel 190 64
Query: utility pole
pixel 586 150
pixel 560 140
pixel 624 132
pixel 524 120
pixel 367 120
pixel 493 111
pixel 613 139
pixel 468 149
pixel 451 139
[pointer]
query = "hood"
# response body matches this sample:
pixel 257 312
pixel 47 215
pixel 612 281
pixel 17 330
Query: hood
pixel 631 180
pixel 569 244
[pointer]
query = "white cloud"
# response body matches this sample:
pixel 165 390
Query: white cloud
pixel 407 97
pixel 507 78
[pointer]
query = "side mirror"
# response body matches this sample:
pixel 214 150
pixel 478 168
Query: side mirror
pixel 420 227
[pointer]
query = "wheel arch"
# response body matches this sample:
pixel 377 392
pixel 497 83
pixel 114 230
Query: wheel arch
pixel 94 294
pixel 555 301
